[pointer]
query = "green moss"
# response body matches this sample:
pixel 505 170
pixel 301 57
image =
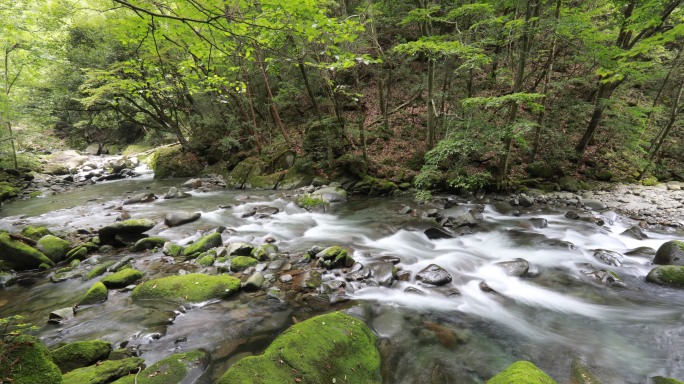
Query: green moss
pixel 309 202
pixel 80 354
pixel 263 251
pixel 96 294
pixel 669 275
pixel 240 263
pixel 175 162
pixel 148 243
pixel 7 191
pixel 53 247
pixel 77 253
pixel 329 348
pixel 122 278
pixel 135 149
pixel 649 181
pixel 581 374
pixel 335 257
pixel 35 233
pixel 105 372
pixel 20 256
pixel 203 244
pixel 172 369
pixel 375 186
pixel 28 362
pixel 97 270
pixel 206 260
pixel 521 372
pixel 665 380
pixel 173 250
pixel 192 288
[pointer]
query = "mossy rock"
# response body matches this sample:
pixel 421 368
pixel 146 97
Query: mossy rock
pixel 240 263
pixel 122 278
pixel 308 202
pixel 237 178
pixel 668 275
pixel 171 249
pixel 105 372
pixel 256 181
pixel 35 233
pixel 649 181
pixel 521 372
pixel 175 162
pixel 77 253
pixel 569 184
pixel 203 244
pixel 665 380
pixel 192 288
pixel 374 187
pixel 335 257
pixel 580 374
pixel 27 361
pixel 96 294
pixel 670 252
pixel 97 270
pixel 80 354
pixel 7 191
pixel 20 256
pixel 263 251
pixel 544 170
pixel 329 348
pixel 53 247
pixel 178 368
pixel 206 260
pixel 148 243
pixel 108 233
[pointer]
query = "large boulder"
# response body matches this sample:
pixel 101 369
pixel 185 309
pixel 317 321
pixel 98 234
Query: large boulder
pixel 27 361
pixel 521 372
pixel 96 294
pixel 179 368
pixel 80 354
pixel 53 247
pixel 330 195
pixel 35 233
pixel 105 372
pixel 668 275
pixel 191 288
pixel 109 233
pixel 329 348
pixel 670 252
pixel 203 244
pixel 20 256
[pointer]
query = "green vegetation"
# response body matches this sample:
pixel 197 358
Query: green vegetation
pixel 80 354
pixel 521 372
pixel 96 294
pixel 240 263
pixel 669 275
pixel 122 278
pixel 172 369
pixel 192 288
pixel 203 244
pixel 105 372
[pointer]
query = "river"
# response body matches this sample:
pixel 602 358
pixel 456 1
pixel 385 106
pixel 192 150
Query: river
pixel 459 333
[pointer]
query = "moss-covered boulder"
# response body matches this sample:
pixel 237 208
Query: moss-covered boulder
pixel 264 251
pixel 335 257
pixel 374 187
pixel 28 362
pixel 240 263
pixel 175 162
pixel 649 181
pixel 192 288
pixel 80 354
pixel 329 348
pixel 21 256
pixel 77 253
pixel 97 270
pixel 35 233
pixel 149 243
pixel 203 244
pixel 206 260
pixel 665 380
pixel 8 191
pixel 307 202
pixel 521 372
pixel 105 372
pixel 96 294
pixel 668 275
pixel 129 227
pixel 178 368
pixel 53 247
pixel 122 278
pixel 670 252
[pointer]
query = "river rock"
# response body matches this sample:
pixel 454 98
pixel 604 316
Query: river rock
pixel 105 372
pixel 185 367
pixel 80 354
pixel 342 344
pixel 521 372
pixel 335 257
pixel 594 204
pixel 607 277
pixel 59 315
pixel 203 244
pixel 635 232
pixel 193 183
pixel 383 273
pixel 241 263
pixel 53 247
pixel 264 252
pixel 146 243
pixel 174 193
pixel 572 215
pixel 20 256
pixel 122 278
pixel 140 198
pixel 35 233
pixel 239 249
pixel 330 195
pixel 96 294
pixel 108 234
pixel 538 222
pixel 190 288
pixel 668 275
pixel 434 233
pixel 608 257
pixel 670 252
pixel 517 267
pixel 433 274
pixel 254 282
pixel 174 219
pixel 28 362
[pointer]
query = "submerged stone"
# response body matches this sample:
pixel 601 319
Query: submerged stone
pixel 331 348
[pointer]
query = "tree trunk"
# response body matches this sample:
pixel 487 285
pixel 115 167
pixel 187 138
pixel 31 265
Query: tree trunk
pixel 604 93
pixel 309 90
pixel 429 104
pixel 271 102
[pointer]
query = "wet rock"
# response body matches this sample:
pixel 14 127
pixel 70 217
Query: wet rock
pixel 21 256
pixel 415 291
pixel 264 252
pixel 35 233
pixel 521 372
pixel 665 380
pixel 170 249
pixel 484 287
pixel 96 294
pixel 383 273
pixel 405 210
pixel 335 257
pixel 517 267
pixel 330 195
pixel 7 279
pixel 174 219
pixel 286 278
pixel 608 257
pixel 105 372
pixel 203 244
pixel 635 232
pixel 174 193
pixel 667 275
pixel 343 345
pixel 185 367
pixel 140 198
pixel 254 283
pixel 190 288
pixel 80 354
pixel 607 277
pixel 641 251
pixel 403 276
pixel 241 263
pixel 434 275
pixel 670 252
pixel 264 212
pixel 310 280
pixel 53 247
pixel 60 315
pixel 572 215
pixel 467 219
pixel 122 278
pixel 29 362
pixel 526 201
pixel 539 223
pixel 437 233
pixel 109 233
pixel 239 249
pixel 193 183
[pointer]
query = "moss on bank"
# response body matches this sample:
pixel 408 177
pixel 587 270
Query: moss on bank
pixel 80 354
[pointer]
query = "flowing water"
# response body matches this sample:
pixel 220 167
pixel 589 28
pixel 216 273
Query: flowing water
pixel 623 334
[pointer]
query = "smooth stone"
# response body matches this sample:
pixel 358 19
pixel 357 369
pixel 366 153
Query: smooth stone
pixel 174 219
pixel 254 283
pixel 437 233
pixel 517 267
pixel 433 274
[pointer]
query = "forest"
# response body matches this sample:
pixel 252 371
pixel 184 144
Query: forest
pixel 446 95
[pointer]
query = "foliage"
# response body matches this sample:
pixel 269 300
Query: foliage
pixel 12 328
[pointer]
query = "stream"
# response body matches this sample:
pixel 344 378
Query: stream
pixel 458 333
